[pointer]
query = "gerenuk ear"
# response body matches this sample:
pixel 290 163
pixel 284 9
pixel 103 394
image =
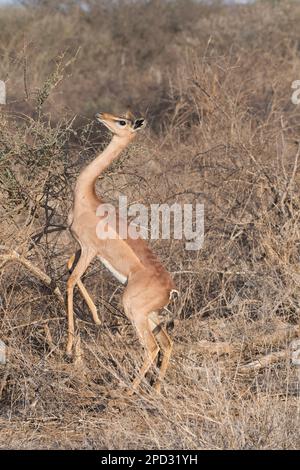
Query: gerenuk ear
pixel 129 115
pixel 139 124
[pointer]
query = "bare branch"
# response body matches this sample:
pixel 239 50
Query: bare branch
pixel 13 256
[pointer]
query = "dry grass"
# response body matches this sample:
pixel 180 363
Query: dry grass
pixel 215 84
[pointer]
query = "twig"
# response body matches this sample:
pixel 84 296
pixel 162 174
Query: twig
pixel 208 347
pixel 12 255
pixel 3 382
pixel 264 361
pixel 289 184
pixel 25 71
pixel 37 322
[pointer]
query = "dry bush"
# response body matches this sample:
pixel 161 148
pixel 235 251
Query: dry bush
pixel 215 83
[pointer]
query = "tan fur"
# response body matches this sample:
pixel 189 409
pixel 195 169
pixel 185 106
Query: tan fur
pixel 149 285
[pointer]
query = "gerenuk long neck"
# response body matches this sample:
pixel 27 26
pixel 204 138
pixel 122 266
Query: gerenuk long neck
pixel 85 185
